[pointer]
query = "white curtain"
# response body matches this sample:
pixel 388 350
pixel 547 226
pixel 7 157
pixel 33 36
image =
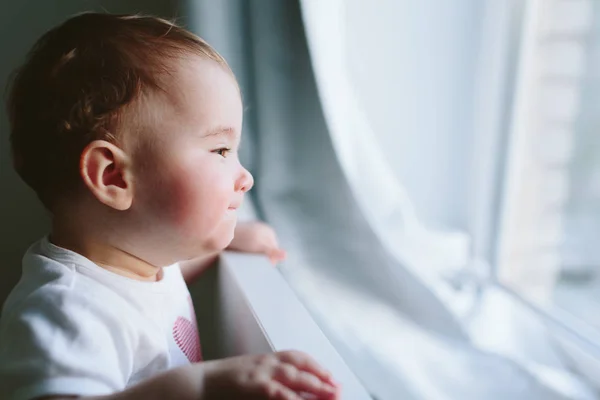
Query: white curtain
pixel 397 98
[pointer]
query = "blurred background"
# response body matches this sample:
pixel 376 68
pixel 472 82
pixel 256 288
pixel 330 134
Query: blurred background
pixel 432 168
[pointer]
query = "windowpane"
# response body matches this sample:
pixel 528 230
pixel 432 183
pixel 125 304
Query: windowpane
pixel 549 245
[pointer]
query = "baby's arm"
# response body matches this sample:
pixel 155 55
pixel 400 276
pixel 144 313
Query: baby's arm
pixel 277 376
pixel 180 383
pixel 259 238
pixel 248 237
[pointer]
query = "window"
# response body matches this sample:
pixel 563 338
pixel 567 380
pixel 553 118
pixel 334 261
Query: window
pixel 480 117
pixel 547 250
pixel 551 216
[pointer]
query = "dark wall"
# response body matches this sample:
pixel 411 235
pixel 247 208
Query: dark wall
pixel 22 218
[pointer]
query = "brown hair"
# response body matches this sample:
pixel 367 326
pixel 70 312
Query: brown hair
pixel 78 84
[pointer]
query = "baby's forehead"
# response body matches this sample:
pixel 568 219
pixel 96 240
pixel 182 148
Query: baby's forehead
pixel 195 76
pixel 198 84
pixel 196 94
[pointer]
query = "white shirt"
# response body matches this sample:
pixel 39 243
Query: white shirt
pixel 72 327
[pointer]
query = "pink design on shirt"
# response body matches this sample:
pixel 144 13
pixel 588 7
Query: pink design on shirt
pixel 185 333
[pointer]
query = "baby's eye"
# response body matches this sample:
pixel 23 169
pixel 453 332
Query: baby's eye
pixel 222 151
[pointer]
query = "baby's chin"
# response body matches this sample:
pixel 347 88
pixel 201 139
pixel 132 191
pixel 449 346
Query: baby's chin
pixel 217 242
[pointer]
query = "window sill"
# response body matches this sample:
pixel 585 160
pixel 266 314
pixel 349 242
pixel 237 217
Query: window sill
pixel 247 307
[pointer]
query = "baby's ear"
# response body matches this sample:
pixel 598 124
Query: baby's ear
pixel 106 171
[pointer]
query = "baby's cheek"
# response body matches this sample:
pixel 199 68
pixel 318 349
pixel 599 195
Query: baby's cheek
pixel 195 207
pixel 185 204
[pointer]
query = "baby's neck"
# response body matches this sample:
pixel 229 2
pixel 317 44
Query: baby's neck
pixel 104 254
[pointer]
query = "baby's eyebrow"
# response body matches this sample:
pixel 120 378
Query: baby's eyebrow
pixel 220 130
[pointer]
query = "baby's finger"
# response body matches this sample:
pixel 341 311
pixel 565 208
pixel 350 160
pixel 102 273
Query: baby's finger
pixel 277 255
pixel 270 242
pixel 304 362
pixel 302 381
pixel 277 391
pixel 281 254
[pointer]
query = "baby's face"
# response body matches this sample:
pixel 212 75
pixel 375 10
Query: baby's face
pixel 188 178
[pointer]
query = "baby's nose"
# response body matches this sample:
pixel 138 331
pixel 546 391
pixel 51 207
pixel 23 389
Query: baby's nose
pixel 245 181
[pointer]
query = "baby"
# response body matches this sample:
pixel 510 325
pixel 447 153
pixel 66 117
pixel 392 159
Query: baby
pixel 127 128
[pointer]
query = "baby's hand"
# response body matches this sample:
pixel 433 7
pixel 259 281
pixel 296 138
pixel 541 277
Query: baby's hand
pixel 288 375
pixel 257 237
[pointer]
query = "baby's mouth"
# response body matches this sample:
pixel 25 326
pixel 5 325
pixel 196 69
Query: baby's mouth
pixel 234 207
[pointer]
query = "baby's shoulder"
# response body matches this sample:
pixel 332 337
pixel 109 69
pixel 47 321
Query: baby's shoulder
pixel 65 300
pixel 55 292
